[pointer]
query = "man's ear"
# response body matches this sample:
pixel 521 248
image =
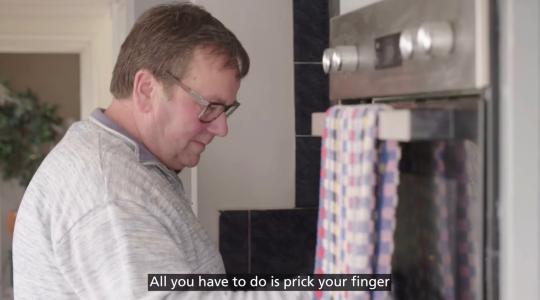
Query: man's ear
pixel 144 87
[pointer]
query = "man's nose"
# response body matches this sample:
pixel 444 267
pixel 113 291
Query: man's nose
pixel 219 126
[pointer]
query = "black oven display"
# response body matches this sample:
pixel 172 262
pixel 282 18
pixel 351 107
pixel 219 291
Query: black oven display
pixel 387 51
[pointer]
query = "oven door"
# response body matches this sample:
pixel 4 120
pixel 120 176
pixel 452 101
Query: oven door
pixel 439 234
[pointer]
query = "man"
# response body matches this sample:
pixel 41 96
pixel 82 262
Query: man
pixel 106 206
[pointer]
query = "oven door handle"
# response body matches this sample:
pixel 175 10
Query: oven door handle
pixel 406 125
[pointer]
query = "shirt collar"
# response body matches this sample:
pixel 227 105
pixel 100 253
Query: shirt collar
pixel 145 156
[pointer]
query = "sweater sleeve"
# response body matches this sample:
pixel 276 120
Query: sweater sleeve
pixel 109 252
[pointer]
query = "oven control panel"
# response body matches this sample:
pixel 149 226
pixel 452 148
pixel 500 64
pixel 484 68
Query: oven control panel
pixel 433 39
pixel 399 47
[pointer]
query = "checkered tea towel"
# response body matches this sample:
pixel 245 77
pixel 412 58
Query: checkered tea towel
pixel 358 196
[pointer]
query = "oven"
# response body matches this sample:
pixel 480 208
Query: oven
pixel 431 60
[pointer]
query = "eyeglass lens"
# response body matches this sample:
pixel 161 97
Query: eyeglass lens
pixel 212 112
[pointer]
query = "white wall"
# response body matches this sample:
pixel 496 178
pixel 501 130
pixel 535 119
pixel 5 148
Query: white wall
pixel 253 167
pixel 520 148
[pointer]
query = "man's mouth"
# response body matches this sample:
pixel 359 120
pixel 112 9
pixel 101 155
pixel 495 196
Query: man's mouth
pixel 203 145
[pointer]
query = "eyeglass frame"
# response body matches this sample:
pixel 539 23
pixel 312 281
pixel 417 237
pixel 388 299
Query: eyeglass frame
pixel 227 109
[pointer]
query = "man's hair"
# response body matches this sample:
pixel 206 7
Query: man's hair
pixel 164 38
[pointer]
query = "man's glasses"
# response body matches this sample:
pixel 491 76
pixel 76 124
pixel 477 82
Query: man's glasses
pixel 211 110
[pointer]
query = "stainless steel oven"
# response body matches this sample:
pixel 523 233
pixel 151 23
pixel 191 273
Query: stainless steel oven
pixel 431 61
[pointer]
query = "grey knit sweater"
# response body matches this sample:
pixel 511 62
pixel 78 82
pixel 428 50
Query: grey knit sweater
pixel 100 214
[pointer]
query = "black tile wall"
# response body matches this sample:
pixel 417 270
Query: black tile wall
pixel 283 241
pixel 234 241
pixel 268 241
pixel 310 29
pixel 311 95
pixel 308 167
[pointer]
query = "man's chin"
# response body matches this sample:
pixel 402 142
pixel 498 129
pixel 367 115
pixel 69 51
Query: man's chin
pixel 191 162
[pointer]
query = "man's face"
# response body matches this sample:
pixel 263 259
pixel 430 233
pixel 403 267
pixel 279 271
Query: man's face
pixel 175 134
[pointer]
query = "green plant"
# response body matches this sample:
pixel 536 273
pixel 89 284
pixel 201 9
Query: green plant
pixel 28 131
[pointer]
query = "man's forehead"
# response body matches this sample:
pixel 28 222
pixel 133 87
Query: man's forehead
pixel 209 57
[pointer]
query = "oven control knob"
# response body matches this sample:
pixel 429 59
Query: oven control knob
pixel 327 60
pixel 407 43
pixel 435 39
pixel 340 59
